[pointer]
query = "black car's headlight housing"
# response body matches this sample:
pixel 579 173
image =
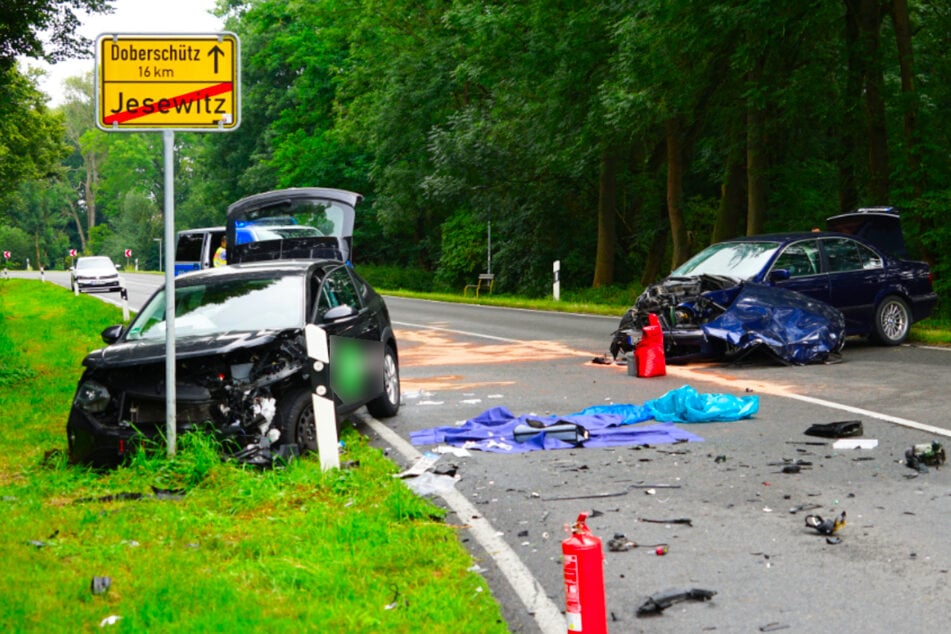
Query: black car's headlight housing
pixel 92 397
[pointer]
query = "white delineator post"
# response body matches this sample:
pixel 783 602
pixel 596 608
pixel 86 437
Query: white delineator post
pixel 325 415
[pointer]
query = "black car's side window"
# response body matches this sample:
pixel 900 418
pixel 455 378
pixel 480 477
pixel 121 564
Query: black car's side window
pixel 848 255
pixel 337 289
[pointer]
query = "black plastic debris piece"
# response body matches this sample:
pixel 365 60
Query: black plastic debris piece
pixel 100 585
pixel 804 507
pixel 773 627
pixel 826 526
pixel 114 497
pixel 680 520
pixel 839 429
pixel 265 456
pixel 168 494
pixel 157 493
pixel 657 603
pixel 920 456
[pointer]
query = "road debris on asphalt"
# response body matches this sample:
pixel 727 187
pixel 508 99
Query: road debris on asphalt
pixel 839 429
pixel 620 543
pixel 680 520
pixel 826 526
pixel 855 443
pixel 424 477
pixel 921 456
pixel 657 603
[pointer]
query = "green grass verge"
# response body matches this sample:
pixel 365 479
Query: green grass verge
pixel 234 549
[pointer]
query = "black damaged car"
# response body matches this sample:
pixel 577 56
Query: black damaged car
pixel 242 366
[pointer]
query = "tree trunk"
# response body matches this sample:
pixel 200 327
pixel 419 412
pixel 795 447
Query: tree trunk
pixel 607 212
pixel 675 193
pixel 79 225
pixel 852 125
pixel 655 256
pixel 730 214
pixel 871 24
pixel 755 170
pixel 909 97
pixel 92 179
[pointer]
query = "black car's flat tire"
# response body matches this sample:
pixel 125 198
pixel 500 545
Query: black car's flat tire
pixel 892 321
pixel 295 411
pixel 387 404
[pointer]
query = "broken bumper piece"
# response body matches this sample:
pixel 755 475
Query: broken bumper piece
pixel 657 603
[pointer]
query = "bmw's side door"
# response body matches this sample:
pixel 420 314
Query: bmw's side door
pixel 856 274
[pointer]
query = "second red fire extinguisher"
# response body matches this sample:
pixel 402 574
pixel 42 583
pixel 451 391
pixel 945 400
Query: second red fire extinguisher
pixel 585 603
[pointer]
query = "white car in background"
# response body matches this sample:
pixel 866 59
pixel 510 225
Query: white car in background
pixel 95 273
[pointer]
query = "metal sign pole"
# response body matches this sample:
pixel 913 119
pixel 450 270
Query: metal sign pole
pixel 168 137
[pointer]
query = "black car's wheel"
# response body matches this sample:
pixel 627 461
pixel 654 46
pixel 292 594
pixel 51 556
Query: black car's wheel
pixel 387 403
pixel 295 412
pixel 892 321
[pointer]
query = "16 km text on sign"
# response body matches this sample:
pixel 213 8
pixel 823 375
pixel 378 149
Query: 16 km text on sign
pixel 159 82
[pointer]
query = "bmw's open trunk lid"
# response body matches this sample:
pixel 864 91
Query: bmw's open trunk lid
pixel 879 225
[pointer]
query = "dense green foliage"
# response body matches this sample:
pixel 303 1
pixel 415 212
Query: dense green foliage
pixel 615 137
pixel 194 543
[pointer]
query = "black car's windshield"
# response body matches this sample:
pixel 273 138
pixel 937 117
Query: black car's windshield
pixel 225 305
pixel 741 260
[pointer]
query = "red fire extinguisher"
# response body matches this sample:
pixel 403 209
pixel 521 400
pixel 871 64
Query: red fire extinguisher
pixel 584 580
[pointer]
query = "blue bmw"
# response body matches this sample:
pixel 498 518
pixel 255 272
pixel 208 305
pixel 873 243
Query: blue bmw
pixel 860 269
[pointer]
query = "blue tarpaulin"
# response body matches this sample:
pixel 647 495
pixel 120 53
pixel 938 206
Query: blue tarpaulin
pixel 686 405
pixel 493 431
pixel 606 425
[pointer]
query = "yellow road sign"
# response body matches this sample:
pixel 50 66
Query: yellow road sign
pixel 163 82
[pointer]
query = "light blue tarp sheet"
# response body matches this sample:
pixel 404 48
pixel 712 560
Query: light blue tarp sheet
pixel 686 405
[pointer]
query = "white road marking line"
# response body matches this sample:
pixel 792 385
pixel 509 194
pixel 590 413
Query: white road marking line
pixel 547 615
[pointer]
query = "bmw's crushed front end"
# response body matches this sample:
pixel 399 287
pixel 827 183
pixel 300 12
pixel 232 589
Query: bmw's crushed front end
pixel 709 317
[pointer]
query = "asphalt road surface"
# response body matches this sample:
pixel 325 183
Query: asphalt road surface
pixel 768 569
pixel 744 541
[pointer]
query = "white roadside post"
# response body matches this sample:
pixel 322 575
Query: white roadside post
pixel 556 286
pixel 325 416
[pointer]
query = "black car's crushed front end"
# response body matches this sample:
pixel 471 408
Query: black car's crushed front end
pixel 232 391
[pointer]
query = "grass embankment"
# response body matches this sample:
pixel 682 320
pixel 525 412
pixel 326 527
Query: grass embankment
pixel 232 549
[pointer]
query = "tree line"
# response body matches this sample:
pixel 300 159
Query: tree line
pixel 618 137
